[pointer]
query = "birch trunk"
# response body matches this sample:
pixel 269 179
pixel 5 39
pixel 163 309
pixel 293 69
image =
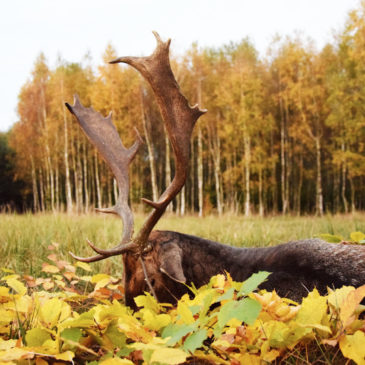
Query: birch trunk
pixel 319 192
pixel 261 200
pixel 34 186
pixel 182 201
pixel 41 189
pixel 282 159
pixel 85 178
pixel 216 156
pixel 69 206
pixel 247 164
pixel 352 187
pixel 97 181
pixel 343 187
pixel 200 155
pixel 50 174
pixel 79 173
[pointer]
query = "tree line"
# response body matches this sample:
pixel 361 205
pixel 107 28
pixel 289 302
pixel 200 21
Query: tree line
pixel 284 133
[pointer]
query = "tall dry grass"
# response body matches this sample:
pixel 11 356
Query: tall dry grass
pixel 24 239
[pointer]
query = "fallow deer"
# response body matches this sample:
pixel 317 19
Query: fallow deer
pixel 162 262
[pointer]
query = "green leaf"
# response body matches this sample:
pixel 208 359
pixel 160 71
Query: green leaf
pixel 71 334
pixel 36 337
pixel 117 338
pixel 357 237
pixel 253 282
pixel 245 310
pixel 195 340
pixel 331 238
pixel 227 295
pixel 176 332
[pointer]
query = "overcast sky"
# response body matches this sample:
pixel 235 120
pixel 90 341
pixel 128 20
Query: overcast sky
pixel 72 28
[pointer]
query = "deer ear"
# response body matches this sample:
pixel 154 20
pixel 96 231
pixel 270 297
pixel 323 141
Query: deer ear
pixel 171 262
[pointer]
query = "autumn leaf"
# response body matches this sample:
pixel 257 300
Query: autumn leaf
pixel 349 305
pixel 353 347
pixel 17 286
pixel 169 356
pixel 50 268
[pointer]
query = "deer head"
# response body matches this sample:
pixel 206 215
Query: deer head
pixel 179 119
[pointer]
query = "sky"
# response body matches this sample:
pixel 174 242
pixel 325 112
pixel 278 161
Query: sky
pixel 73 28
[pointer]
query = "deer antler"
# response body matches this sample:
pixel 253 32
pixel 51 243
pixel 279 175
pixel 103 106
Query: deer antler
pixel 179 119
pixel 104 136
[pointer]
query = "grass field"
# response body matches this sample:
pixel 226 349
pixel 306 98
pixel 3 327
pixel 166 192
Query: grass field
pixel 24 239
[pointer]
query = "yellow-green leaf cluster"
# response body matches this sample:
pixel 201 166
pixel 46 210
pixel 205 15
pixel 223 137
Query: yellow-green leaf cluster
pixel 223 322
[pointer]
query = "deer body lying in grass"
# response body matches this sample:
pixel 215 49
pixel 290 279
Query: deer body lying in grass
pixel 163 262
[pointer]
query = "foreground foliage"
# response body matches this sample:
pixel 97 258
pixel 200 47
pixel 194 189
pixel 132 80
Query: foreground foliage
pixel 71 317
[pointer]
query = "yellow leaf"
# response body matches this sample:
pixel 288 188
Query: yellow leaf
pixel 249 359
pixel 348 307
pixel 116 361
pixel 48 285
pixel 147 301
pixel 83 265
pixel 66 356
pixel 185 313
pixel 353 347
pixel 7 345
pixel 102 283
pixel 16 354
pixel 96 278
pixel 169 356
pixel 50 268
pixel 4 294
pixel 357 236
pixel 312 310
pixel 6 317
pixel 23 303
pixel 219 281
pixel 267 354
pixel 12 276
pixel 8 271
pixel 50 311
pixel 85 278
pixel 155 321
pixel 338 296
pixel 17 286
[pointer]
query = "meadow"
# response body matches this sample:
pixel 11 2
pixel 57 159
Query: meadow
pixel 24 239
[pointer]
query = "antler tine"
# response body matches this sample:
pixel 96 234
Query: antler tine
pixel 178 117
pixel 103 135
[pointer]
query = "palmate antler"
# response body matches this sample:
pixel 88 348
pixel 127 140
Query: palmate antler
pixel 179 119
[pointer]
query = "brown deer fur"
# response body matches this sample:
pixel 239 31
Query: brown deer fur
pixel 297 267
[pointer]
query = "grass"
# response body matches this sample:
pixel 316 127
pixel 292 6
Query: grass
pixel 24 239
